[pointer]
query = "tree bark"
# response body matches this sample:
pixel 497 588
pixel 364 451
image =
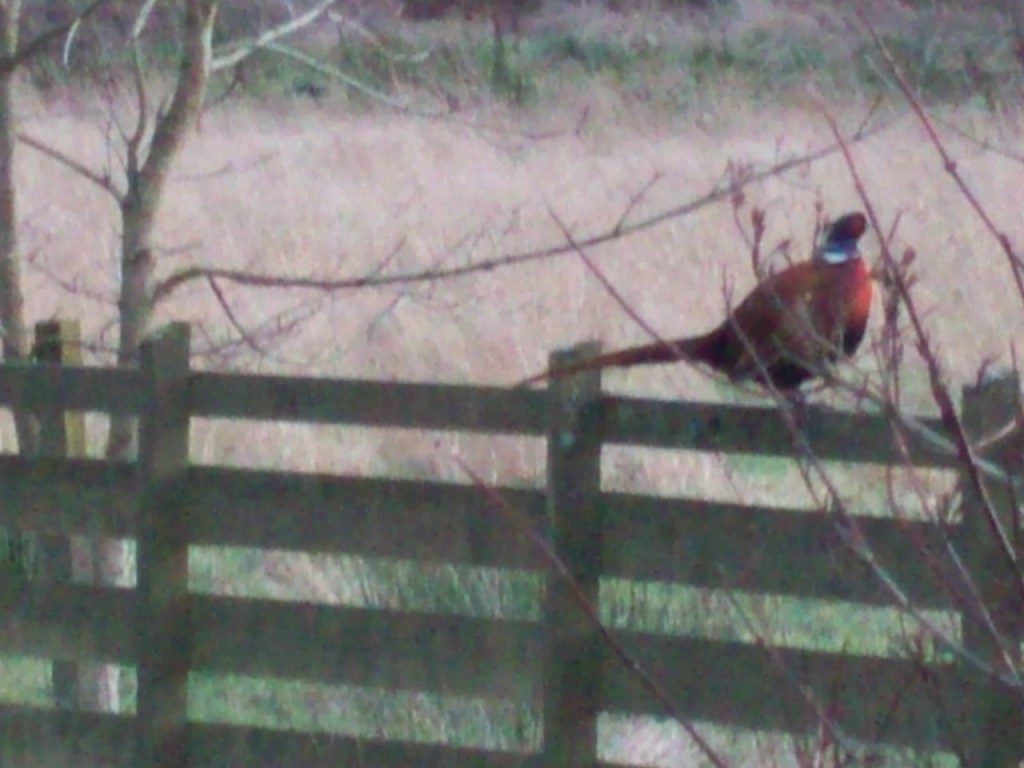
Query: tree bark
pixel 16 343
pixel 147 179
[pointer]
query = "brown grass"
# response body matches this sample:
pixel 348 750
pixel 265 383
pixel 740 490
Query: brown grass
pixel 301 190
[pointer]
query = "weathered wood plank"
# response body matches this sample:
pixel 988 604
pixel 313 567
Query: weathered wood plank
pixel 373 517
pixel 867 696
pixel 572 651
pixel 992 550
pixel 68 622
pixel 74 496
pixel 229 746
pixel 401 651
pixel 777 551
pixel 163 618
pixel 354 646
pixel 838 435
pixel 61 431
pixel 688 541
pixel 107 390
pixel 32 736
pixel 369 403
pixel 303 641
pixel 708 544
pixel 61 434
pixel 496 410
pixel 751 686
pixel 720 427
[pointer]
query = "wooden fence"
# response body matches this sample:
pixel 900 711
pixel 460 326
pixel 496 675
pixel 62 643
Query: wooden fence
pixel 560 664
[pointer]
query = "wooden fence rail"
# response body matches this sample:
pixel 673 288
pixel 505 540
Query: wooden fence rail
pixel 558 664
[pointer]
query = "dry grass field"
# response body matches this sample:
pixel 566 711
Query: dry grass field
pixel 300 190
pixel 293 188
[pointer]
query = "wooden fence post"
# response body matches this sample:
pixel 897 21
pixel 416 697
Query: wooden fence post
pixel 61 434
pixel 572 663
pixel 164 633
pixel 997 729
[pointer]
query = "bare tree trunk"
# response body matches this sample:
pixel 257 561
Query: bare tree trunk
pixel 19 549
pixel 146 181
pixel 16 343
pixel 147 178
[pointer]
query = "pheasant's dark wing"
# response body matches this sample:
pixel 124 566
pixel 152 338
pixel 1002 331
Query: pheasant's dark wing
pixel 773 328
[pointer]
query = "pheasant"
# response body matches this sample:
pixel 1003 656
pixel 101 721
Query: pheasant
pixel 785 331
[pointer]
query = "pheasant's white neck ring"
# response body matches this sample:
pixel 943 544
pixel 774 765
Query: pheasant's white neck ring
pixel 839 251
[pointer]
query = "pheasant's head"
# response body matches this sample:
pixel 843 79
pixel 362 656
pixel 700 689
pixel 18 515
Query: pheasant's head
pixel 841 240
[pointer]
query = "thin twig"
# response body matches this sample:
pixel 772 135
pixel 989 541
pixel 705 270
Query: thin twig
pixel 612 291
pixel 940 391
pixel 828 723
pixel 242 49
pixel 635 199
pixel 36 46
pixel 983 144
pixel 102 181
pixel 229 313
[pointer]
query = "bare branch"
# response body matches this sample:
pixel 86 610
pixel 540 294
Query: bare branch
pixel 636 199
pixel 133 143
pixel 268 331
pixel 170 129
pixel 812 468
pixel 971 462
pixel 982 144
pixel 229 313
pixel 940 391
pixel 374 40
pixel 855 541
pixel 325 285
pixel 849 530
pixel 609 287
pixel 9 64
pixel 142 18
pixel 245 48
pixel 229 167
pixel 337 74
pixel 70 285
pixel 103 181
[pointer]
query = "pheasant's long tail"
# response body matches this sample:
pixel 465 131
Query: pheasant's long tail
pixel 691 350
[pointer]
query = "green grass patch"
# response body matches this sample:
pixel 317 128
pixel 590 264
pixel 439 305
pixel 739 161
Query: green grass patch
pixel 366 712
pixel 943 63
pixel 749 618
pixel 24 680
pixel 761 65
